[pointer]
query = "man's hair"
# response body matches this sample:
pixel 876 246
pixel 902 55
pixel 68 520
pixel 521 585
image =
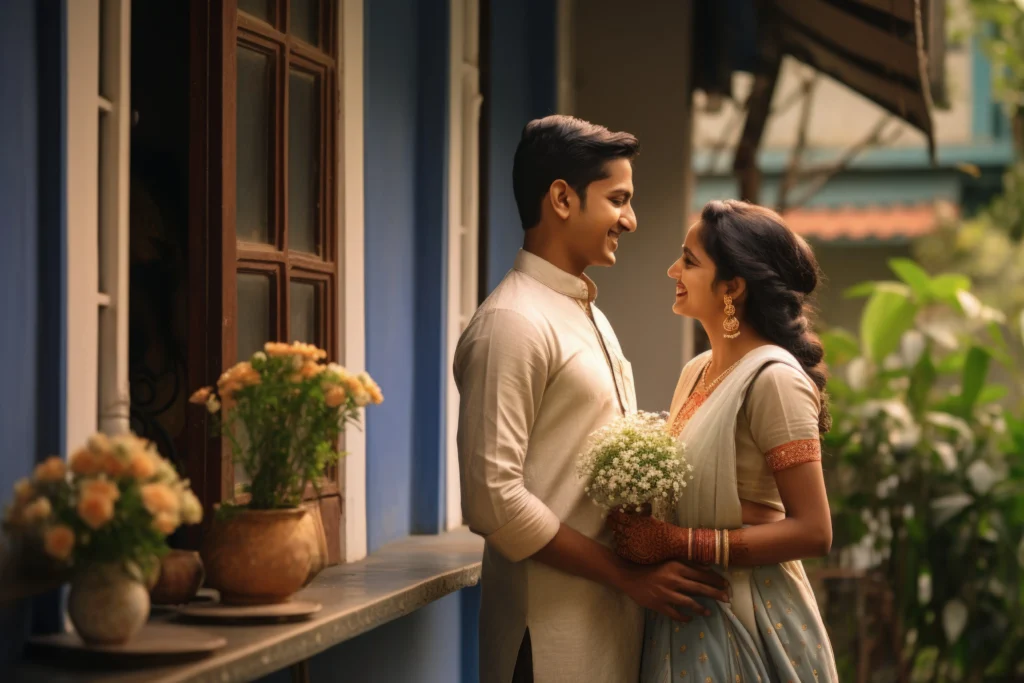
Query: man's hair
pixel 563 148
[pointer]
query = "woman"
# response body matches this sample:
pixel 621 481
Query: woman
pixel 751 412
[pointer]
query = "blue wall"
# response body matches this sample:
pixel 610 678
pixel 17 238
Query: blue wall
pixel 32 263
pixel 522 88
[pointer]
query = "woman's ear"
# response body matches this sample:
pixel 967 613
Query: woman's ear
pixel 560 195
pixel 736 288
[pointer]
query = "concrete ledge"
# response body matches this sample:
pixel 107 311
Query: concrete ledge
pixel 391 583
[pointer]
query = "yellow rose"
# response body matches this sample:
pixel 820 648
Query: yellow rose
pixel 166 523
pixel 165 471
pixel 37 510
pixel 142 464
pixel 212 405
pixel 372 388
pixel 50 470
pixel 58 541
pixel 84 462
pixel 200 395
pixel 23 491
pixel 311 369
pixel 160 498
pixel 357 390
pixel 191 508
pixel 95 510
pixel 335 396
pixel 113 464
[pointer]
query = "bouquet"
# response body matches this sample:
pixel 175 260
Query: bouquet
pixel 283 411
pixel 634 461
pixel 116 501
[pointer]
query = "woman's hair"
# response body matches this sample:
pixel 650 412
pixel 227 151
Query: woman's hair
pixel 752 242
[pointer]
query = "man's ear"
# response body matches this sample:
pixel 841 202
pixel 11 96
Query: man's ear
pixel 561 196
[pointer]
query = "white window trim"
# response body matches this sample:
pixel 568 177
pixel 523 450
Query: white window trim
pixel 97 212
pixel 463 217
pixel 350 218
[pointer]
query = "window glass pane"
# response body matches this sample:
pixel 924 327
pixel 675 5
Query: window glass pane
pixel 261 9
pixel 303 162
pixel 253 141
pixel 304 20
pixel 253 313
pixel 303 313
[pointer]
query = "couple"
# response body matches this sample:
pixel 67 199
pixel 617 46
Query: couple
pixel 569 593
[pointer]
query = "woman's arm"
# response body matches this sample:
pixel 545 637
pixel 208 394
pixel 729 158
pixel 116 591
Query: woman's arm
pixel 806 531
pixel 782 410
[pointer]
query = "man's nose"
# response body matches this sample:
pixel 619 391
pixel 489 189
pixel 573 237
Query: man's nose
pixel 628 220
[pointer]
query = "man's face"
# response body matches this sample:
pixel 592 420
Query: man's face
pixel 593 230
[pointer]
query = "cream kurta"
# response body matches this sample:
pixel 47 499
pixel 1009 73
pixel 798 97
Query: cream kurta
pixel 536 376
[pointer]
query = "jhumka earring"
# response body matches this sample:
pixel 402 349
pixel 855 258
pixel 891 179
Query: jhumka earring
pixel 731 324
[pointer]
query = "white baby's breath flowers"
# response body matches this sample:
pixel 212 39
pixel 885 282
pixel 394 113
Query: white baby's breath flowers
pixel 633 460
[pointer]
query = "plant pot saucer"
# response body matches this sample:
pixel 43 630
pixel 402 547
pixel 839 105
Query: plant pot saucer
pixel 153 640
pixel 282 611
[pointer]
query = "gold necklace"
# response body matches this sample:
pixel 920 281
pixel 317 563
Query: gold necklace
pixel 705 387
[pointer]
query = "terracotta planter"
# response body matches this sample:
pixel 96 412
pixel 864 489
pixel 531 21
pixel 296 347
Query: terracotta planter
pixel 181 575
pixel 257 557
pixel 106 605
pixel 312 528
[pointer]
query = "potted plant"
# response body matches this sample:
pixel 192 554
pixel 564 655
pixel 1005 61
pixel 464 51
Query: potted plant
pixel 105 516
pixel 926 468
pixel 283 412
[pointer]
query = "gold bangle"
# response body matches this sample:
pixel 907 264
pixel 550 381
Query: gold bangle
pixel 689 544
pixel 725 553
pixel 718 546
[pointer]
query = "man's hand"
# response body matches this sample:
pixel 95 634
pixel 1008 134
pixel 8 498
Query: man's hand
pixel 666 588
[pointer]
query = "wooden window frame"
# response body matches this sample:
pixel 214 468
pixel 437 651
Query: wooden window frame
pixel 216 256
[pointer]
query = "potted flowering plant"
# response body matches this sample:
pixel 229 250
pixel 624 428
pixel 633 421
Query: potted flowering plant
pixel 106 517
pixel 282 412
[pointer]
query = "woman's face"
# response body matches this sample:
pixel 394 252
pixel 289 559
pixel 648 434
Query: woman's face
pixel 694 275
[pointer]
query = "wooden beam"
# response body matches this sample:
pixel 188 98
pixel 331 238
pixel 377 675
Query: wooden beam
pixel 758 105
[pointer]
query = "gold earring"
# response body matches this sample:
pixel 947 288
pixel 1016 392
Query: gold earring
pixel 731 324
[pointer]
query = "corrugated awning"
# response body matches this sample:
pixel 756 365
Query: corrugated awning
pixel 879 48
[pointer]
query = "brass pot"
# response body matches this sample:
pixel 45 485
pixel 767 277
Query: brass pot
pixel 312 528
pixel 181 575
pixel 257 557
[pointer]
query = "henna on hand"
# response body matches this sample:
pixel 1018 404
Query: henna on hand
pixel 645 540
pixel 739 547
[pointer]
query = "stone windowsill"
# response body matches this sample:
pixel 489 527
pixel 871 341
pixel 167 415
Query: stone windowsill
pixel 392 582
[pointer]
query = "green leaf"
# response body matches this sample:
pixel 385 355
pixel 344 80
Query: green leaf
pixel 860 291
pixel 922 378
pixel 945 287
pixel 992 393
pixel 840 346
pixel 975 372
pixel 952 363
pixel 887 315
pixel 914 275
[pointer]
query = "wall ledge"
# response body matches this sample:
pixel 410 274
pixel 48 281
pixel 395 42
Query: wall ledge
pixel 392 582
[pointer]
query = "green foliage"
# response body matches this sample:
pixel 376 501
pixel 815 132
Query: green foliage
pixel 925 472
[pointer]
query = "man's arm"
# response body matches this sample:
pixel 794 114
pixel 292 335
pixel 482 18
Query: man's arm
pixel 501 369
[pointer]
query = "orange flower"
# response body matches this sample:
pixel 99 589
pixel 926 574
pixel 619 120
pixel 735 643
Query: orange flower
pixel 372 388
pixel 166 523
pixel 142 464
pixel 58 541
pixel 50 470
pixel 37 510
pixel 84 462
pixel 95 510
pixel 99 443
pixel 23 491
pixel 113 464
pixel 160 499
pixel 311 369
pixel 201 395
pixel 100 486
pixel 334 397
pixel 358 391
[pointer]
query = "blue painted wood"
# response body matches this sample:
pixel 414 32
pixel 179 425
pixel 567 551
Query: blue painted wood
pixel 470 606
pixel 391 130
pixel 431 277
pixel 983 110
pixel 521 88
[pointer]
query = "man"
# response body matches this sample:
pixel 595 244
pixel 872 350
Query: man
pixel 539 369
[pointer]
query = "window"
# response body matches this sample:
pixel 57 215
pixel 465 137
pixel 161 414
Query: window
pixel 266 200
pixel 98 55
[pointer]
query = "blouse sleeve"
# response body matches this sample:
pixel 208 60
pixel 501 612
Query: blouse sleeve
pixel 782 408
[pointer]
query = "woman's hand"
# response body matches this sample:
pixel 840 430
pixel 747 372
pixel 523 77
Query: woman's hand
pixel 642 539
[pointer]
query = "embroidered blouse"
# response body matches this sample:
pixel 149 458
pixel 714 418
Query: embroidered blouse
pixel 777 428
